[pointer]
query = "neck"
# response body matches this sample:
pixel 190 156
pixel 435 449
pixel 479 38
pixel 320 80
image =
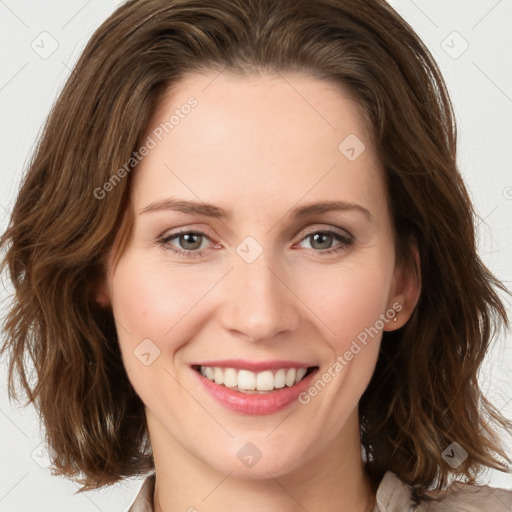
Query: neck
pixel 332 481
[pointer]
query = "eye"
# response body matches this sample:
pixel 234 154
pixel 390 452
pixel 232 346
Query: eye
pixel 189 241
pixel 322 241
pixel 190 244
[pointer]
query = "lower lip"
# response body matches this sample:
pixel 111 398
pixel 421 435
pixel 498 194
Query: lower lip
pixel 255 404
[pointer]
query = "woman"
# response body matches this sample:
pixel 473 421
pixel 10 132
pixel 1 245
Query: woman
pixel 243 250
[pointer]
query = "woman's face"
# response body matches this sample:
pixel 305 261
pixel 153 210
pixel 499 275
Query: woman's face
pixel 260 284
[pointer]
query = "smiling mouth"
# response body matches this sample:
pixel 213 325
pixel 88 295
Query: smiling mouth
pixel 249 382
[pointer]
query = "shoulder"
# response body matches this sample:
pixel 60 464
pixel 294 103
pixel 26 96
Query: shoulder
pixel 393 495
pixel 469 498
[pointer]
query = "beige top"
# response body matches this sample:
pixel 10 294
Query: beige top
pixel 393 495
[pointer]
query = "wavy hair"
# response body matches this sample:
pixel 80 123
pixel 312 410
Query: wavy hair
pixel 424 393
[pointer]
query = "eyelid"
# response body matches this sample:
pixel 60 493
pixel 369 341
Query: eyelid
pixel 344 237
pixel 326 228
pixel 175 234
pixel 203 230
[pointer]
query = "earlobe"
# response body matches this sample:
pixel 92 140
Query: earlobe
pixel 101 287
pixel 395 313
pixel 102 295
pixel 407 292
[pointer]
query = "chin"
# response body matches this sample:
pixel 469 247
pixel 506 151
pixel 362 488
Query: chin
pixel 259 459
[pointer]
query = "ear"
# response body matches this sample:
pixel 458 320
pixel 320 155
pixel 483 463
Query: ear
pixel 405 291
pixel 102 293
pixel 101 290
pixel 102 287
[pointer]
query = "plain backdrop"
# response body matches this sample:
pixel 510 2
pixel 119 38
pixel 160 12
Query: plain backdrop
pixel 39 44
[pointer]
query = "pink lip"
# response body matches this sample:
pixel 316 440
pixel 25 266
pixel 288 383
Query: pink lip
pixel 255 404
pixel 243 364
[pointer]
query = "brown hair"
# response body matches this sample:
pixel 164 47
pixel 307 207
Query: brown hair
pixel 424 393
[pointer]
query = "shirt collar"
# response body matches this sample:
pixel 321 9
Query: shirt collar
pixel 393 495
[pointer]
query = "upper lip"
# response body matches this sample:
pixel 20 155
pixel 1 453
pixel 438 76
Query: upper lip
pixel 254 366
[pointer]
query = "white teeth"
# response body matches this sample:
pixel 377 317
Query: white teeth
pixel 265 381
pixel 300 374
pixel 219 376
pixel 246 380
pixel 280 378
pixel 290 376
pixel 230 378
pixel 250 382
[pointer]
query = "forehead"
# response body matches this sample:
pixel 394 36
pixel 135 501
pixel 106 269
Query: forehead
pixel 274 136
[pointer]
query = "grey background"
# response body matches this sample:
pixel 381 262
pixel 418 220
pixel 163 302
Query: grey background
pixel 39 43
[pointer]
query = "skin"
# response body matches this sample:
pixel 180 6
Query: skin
pixel 257 147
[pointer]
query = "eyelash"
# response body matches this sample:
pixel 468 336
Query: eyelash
pixel 346 241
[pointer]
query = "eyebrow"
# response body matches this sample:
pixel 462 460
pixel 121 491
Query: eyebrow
pixel 210 210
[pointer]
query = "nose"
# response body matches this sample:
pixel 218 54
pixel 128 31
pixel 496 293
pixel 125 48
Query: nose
pixel 259 301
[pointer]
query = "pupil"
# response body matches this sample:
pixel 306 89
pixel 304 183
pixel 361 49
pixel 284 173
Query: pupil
pixel 187 241
pixel 325 236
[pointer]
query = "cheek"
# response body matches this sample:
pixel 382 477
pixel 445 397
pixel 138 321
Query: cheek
pixel 150 298
pixel 155 308
pixel 138 300
pixel 153 300
pixel 149 303
pixel 347 300
pixel 145 307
